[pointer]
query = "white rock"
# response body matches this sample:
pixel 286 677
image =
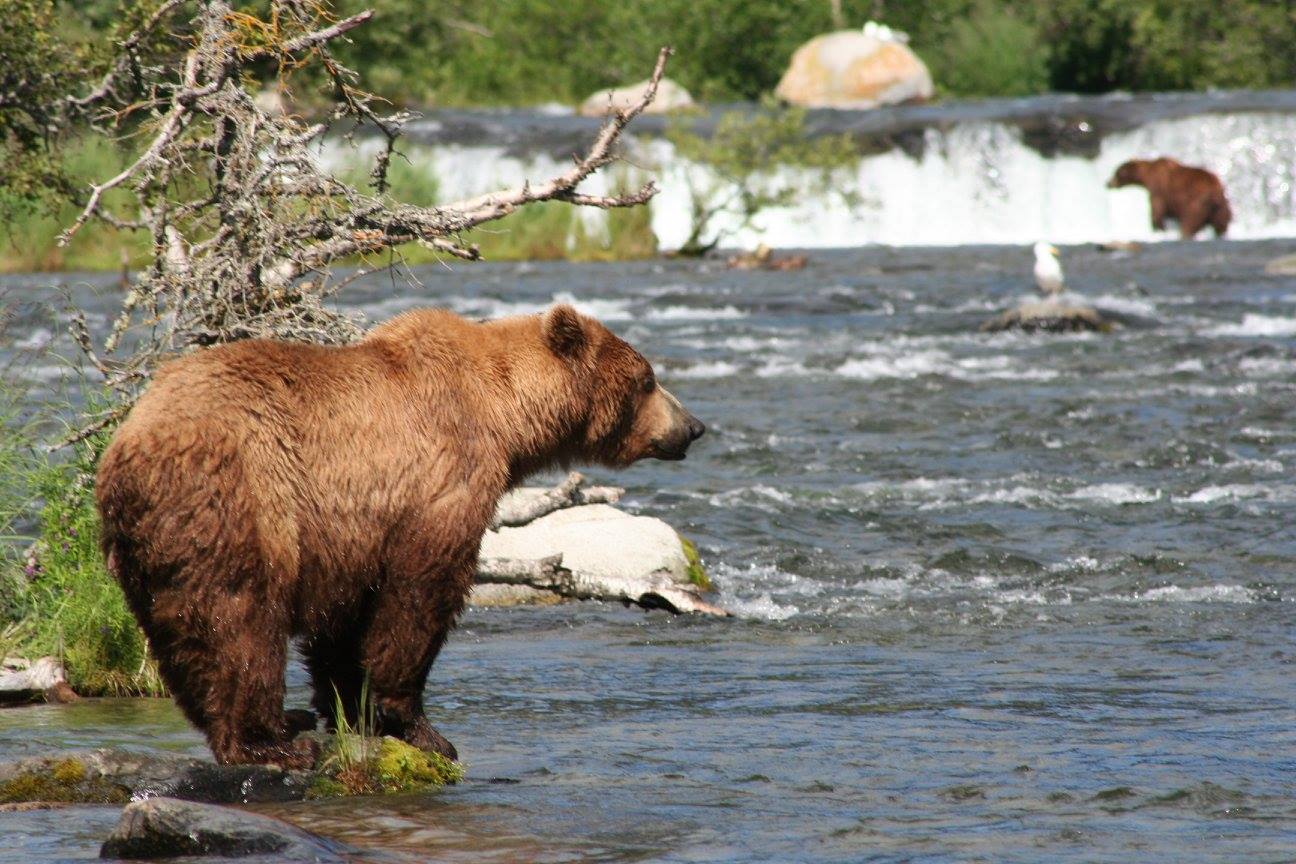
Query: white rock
pixel 611 555
pixel 854 69
pixel 670 97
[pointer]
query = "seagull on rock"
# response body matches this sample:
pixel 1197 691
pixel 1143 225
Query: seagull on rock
pixel 1048 270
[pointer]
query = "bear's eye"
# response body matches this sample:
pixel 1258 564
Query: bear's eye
pixel 649 382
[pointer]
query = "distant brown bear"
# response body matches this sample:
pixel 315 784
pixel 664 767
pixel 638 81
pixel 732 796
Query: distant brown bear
pixel 266 490
pixel 1192 196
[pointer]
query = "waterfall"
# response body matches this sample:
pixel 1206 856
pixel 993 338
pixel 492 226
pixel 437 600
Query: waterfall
pixel 957 173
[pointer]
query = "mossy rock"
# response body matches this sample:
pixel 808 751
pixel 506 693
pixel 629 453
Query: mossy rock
pixel 392 767
pixel 696 573
pixel 66 782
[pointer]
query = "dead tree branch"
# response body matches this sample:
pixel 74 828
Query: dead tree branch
pixel 519 508
pixel 246 225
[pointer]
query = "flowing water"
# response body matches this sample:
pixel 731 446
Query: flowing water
pixel 991 171
pixel 1000 597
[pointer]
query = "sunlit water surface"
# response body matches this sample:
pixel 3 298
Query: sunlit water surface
pixel 1000 597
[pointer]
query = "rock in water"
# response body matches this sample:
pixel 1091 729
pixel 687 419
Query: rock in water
pixel 114 776
pixel 852 69
pixel 1283 266
pixel 170 828
pixel 602 553
pixel 670 97
pixel 1051 316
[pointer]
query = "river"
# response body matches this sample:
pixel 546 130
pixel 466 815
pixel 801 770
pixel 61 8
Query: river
pixel 953 173
pixel 1000 597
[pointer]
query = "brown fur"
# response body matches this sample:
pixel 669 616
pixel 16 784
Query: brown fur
pixel 1192 196
pixel 265 490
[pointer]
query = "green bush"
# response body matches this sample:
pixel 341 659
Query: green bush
pixel 740 153
pixel 993 51
pixel 58 597
pixel 72 607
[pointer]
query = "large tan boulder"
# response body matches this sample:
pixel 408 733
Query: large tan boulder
pixel 670 97
pixel 855 69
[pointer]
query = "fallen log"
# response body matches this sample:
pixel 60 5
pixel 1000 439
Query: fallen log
pixel 23 682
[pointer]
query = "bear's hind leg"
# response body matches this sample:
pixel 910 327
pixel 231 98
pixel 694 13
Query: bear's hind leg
pixel 404 636
pixel 245 700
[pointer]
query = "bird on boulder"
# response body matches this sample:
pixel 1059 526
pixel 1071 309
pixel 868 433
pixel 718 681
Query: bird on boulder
pixel 1048 270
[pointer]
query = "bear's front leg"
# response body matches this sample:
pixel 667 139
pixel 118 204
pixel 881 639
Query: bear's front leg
pixel 411 620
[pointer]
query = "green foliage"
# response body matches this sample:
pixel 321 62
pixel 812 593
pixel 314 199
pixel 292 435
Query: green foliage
pixel 356 763
pixel 27 238
pixel 740 153
pixel 63 601
pixel 697 574
pixel 1101 45
pixel 993 51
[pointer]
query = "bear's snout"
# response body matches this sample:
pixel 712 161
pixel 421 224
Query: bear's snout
pixel 681 429
pixel 696 428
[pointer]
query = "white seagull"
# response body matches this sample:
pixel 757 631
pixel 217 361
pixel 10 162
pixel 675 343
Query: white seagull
pixel 1048 270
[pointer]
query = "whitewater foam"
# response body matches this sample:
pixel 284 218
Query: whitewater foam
pixel 1254 324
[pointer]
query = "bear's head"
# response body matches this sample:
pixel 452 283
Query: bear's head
pixel 1128 174
pixel 624 415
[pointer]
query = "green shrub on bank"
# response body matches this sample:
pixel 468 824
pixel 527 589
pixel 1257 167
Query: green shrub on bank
pixel 29 234
pixel 992 51
pixel 71 606
pixel 59 599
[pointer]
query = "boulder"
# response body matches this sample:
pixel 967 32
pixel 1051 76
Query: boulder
pixel 670 97
pixel 1050 316
pixel 596 551
pixel 854 69
pixel 170 828
pixel 109 776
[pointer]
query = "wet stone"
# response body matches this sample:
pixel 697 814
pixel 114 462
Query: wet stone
pixel 116 776
pixel 169 828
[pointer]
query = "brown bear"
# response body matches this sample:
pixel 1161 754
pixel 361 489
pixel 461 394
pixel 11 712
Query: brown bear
pixel 1192 196
pixel 262 490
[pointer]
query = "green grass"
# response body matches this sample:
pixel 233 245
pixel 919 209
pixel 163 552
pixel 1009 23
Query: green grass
pixel 59 598
pixel 28 241
pixel 546 232
pixel 357 763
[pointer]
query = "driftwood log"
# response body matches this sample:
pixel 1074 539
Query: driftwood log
pixel 23 682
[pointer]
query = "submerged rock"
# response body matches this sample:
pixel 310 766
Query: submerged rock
pixel 1281 266
pixel 1050 316
pixel 116 776
pixel 763 259
pixel 170 828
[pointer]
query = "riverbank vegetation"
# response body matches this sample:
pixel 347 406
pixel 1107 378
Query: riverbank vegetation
pixel 518 52
pixel 56 596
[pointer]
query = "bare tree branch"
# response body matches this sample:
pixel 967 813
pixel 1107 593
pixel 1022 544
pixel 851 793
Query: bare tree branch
pixel 244 222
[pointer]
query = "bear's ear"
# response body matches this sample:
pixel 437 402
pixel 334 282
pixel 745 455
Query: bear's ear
pixel 564 331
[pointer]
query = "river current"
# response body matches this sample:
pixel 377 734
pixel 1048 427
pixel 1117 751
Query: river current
pixel 1000 597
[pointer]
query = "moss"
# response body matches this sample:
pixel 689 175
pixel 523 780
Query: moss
pixel 64 782
pixel 387 766
pixel 400 767
pixel 324 786
pixel 696 573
